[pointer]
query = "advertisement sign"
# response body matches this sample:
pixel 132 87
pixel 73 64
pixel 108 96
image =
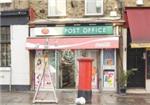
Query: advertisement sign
pixel 108 78
pixel 73 43
pixel 94 78
pixel 40 64
pixel 109 57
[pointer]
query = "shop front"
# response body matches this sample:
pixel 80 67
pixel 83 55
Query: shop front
pixel 138 47
pixel 64 45
pixel 12 54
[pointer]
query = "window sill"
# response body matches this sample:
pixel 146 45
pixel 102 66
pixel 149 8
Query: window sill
pixel 87 15
pixel 5 68
pixel 56 16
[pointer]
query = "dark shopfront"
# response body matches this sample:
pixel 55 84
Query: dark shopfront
pixel 138 53
pixel 65 44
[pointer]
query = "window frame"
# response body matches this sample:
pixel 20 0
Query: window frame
pixel 4 43
pixel 92 14
pixel 57 15
pixel 5 1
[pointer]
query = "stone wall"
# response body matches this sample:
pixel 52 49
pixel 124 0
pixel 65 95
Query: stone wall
pixel 40 7
pixel 76 11
pixel 16 4
pixel 132 3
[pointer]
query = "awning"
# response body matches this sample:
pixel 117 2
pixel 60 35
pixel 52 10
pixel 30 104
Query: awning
pixel 72 43
pixel 138 20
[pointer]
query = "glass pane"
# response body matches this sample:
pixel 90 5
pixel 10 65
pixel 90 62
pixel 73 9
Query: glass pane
pixel 61 7
pixel 8 55
pixel 67 69
pixel 3 34
pixel 108 57
pixel 94 6
pixel 5 55
pixel 52 9
pixel 52 58
pixel 57 7
pixel 91 6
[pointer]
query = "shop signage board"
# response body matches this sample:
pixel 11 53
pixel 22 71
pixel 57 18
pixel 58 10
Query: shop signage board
pixel 73 30
pixel 73 43
pixel 44 80
pixel 140 45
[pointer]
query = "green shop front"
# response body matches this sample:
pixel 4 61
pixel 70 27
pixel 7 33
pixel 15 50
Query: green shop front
pixel 64 44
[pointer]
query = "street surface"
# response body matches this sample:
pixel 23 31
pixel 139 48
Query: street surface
pixel 68 98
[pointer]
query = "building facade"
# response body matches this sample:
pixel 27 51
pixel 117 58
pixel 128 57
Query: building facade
pixel 64 33
pixel 65 30
pixel 13 55
pixel 138 43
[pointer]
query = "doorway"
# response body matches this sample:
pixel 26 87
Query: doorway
pixel 136 62
pixel 67 69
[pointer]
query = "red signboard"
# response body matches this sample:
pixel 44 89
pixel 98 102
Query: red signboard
pixel 72 43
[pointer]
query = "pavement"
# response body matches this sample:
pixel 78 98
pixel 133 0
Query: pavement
pixel 68 98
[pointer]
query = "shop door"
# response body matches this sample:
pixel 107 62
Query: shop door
pixel 136 62
pixel 67 69
pixel 108 72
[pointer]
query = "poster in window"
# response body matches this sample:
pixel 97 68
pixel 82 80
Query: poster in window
pixel 94 78
pixel 39 68
pixel 108 57
pixel 108 78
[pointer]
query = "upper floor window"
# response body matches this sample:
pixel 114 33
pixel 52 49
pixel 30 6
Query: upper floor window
pixel 5 1
pixel 56 7
pixel 93 7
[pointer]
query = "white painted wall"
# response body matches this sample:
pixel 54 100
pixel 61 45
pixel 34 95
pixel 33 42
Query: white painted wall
pixel 19 55
pixel 124 35
pixel 148 85
pixel 5 75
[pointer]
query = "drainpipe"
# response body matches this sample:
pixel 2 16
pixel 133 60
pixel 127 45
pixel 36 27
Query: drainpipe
pixel 121 7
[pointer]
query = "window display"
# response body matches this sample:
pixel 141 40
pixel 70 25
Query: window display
pixel 67 68
pixel 108 78
pixel 108 57
pixel 40 65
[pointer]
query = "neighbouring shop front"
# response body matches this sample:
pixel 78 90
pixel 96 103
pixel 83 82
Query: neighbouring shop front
pixel 138 53
pixel 63 45
pixel 14 30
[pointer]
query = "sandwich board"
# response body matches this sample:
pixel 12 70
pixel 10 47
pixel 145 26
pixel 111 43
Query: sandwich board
pixel 48 94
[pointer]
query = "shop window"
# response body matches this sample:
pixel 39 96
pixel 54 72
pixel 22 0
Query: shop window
pixel 5 1
pixel 93 7
pixel 5 47
pixel 56 7
pixel 109 57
